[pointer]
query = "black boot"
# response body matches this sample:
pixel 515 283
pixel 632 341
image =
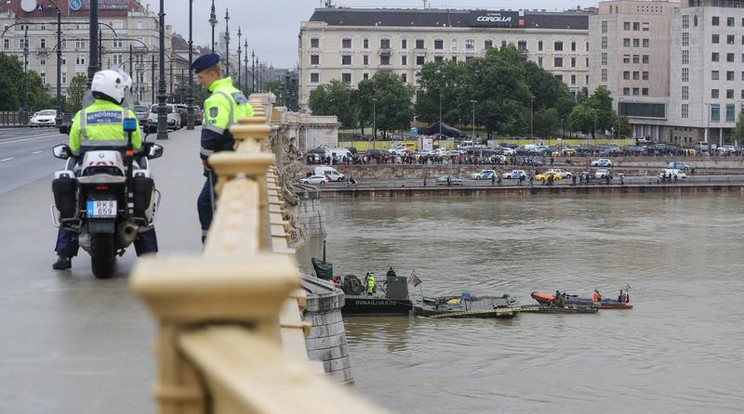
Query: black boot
pixel 62 263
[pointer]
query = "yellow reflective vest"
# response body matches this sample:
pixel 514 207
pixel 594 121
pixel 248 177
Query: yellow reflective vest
pixel 100 125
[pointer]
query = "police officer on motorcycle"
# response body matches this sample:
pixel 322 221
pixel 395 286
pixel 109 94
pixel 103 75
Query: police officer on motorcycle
pixel 222 109
pixel 99 125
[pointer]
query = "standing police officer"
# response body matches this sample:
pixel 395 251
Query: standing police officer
pixel 222 109
pixel 100 125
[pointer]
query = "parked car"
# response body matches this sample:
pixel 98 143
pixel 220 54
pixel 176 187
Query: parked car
pixel 198 115
pixel 674 165
pixel 173 121
pixel 399 150
pixel 183 111
pixel 448 179
pixel 314 179
pixel 142 112
pixel 602 162
pixel 546 176
pixel 672 174
pixel 483 175
pixel 602 173
pixel 562 173
pixel 43 118
pixel 515 174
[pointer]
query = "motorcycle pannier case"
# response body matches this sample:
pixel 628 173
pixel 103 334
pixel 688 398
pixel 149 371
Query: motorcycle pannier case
pixel 65 196
pixel 143 188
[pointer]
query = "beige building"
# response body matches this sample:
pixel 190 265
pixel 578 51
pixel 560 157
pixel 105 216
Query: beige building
pixel 629 50
pixel 353 44
pixel 707 70
pixel 125 23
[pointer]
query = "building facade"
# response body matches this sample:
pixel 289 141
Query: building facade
pixel 707 70
pixel 129 33
pixel 629 47
pixel 353 44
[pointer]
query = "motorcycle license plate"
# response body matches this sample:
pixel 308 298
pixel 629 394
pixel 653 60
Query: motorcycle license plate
pixel 101 208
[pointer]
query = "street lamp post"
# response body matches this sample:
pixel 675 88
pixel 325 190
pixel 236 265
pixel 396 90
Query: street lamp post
pixel 532 114
pixel 239 54
pixel 253 71
pixel 213 23
pixel 162 116
pixel 707 120
pixel 93 49
pixel 245 63
pixel 473 101
pixel 227 42
pixel 24 109
pixel 190 98
pixel 58 118
pixel 440 116
pixel 374 122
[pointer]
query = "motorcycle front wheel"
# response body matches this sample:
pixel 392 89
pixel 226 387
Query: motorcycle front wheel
pixel 102 255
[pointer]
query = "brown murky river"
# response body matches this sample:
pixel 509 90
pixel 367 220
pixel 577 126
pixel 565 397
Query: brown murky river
pixel 681 350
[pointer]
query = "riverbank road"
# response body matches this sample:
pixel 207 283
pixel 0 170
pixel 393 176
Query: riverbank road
pixel 70 343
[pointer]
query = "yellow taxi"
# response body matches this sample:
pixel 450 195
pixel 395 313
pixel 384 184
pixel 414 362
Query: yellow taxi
pixel 544 177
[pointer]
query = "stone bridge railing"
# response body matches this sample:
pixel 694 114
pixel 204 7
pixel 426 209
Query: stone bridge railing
pixel 230 329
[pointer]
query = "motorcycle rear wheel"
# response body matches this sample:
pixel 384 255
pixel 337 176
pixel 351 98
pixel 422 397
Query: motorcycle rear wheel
pixel 102 255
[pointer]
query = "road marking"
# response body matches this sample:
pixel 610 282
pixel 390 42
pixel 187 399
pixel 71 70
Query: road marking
pixel 7 159
pixel 28 139
pixel 37 152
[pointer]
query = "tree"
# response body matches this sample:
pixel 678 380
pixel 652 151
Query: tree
pixel 503 85
pixel 601 103
pixel 394 110
pixel 75 93
pixel 336 98
pixel 277 88
pixel 738 132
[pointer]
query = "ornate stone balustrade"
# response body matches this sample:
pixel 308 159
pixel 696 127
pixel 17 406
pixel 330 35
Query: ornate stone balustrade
pixel 231 337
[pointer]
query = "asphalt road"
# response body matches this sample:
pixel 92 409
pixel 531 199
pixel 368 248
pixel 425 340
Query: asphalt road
pixel 70 343
pixel 26 156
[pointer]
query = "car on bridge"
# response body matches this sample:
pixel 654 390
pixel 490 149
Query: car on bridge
pixel 141 112
pixel 43 118
pixel 514 174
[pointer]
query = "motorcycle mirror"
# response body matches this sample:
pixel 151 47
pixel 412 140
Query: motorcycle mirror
pixel 61 151
pixel 155 151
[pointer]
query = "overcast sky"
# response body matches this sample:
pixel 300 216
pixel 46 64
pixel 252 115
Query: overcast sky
pixel 272 26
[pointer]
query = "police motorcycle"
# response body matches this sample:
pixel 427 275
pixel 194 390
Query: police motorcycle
pixel 107 197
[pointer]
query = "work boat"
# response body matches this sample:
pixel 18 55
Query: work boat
pixel 467 306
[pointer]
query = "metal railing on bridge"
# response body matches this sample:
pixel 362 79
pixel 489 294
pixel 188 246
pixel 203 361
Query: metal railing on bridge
pixel 231 338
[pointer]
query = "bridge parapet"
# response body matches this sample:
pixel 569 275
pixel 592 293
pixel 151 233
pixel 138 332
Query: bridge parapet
pixel 231 338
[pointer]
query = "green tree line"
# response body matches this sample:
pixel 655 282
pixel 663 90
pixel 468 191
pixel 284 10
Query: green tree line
pixel 12 87
pixel 513 97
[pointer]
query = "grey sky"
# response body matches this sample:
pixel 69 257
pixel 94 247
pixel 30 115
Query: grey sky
pixel 272 26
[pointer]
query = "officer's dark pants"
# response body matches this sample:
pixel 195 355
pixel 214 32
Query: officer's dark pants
pixel 204 203
pixel 67 243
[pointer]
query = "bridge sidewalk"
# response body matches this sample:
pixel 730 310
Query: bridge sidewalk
pixel 70 343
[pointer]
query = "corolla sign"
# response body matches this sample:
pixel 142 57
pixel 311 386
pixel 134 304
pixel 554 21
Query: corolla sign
pixel 496 19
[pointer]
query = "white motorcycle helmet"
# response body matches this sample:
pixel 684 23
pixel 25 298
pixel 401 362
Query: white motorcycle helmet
pixel 112 84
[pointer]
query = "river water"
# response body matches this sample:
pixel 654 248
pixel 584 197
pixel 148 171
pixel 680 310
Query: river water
pixel 680 350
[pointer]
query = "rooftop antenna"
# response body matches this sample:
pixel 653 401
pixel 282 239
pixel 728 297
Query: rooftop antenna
pixel 425 3
pixel 329 4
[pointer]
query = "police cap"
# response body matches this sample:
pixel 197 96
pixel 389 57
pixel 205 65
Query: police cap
pixel 205 62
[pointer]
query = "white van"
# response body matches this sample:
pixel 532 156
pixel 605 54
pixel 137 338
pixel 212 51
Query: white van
pixel 339 154
pixel 329 172
pixel 466 145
